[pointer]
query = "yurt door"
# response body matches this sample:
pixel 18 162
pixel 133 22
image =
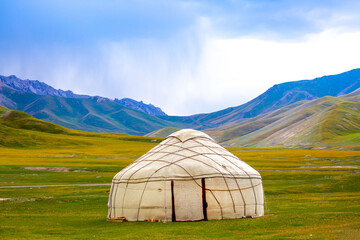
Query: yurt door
pixel 187 199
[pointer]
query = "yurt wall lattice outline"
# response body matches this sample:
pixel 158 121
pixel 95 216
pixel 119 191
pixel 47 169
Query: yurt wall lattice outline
pixel 187 177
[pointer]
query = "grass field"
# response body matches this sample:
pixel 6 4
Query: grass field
pixel 310 194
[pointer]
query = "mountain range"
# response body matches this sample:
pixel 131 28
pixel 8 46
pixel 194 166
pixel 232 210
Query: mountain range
pixel 301 123
pixel 291 113
pixel 278 96
pixel 40 88
pixel 94 114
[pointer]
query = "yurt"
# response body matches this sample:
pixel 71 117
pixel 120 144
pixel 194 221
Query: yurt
pixel 187 177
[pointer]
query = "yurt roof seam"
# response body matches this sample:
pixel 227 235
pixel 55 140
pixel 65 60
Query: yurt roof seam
pixel 168 164
pixel 228 155
pixel 186 177
pixel 183 141
pixel 166 144
pixel 160 180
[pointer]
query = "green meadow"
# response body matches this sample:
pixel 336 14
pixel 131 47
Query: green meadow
pixel 310 194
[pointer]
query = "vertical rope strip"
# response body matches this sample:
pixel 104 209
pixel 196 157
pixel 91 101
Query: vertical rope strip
pixel 110 201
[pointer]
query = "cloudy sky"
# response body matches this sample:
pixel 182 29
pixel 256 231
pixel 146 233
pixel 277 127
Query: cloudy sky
pixel 184 56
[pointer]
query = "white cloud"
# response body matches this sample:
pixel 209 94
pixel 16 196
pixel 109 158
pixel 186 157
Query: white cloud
pixel 225 72
pixel 195 71
pixel 240 69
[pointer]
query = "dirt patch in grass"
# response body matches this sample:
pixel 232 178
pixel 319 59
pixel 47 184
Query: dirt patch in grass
pixel 349 167
pixel 54 169
pixel 4 199
pixel 353 167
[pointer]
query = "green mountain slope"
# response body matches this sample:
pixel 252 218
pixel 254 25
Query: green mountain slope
pixel 19 129
pixel 275 98
pixel 322 120
pixel 94 114
pixel 162 133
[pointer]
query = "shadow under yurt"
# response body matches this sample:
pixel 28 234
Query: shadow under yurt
pixel 187 177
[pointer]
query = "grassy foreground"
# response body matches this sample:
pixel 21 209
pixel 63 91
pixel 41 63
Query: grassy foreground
pixel 312 194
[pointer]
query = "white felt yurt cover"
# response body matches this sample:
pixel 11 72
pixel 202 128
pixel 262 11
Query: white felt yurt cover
pixel 187 177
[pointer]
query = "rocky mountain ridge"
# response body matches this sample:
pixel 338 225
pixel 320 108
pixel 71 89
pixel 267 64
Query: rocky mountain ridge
pixel 37 87
pixel 140 106
pixel 94 114
pixel 40 88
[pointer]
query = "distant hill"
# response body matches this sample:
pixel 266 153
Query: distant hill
pixel 94 114
pixel 162 133
pixel 302 123
pixel 278 96
pixel 40 88
pixel 140 106
pixel 19 129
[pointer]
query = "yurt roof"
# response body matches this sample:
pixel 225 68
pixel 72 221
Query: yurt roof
pixel 186 154
pixel 186 134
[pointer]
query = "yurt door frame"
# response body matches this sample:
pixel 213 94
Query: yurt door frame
pixel 188 200
pixel 205 205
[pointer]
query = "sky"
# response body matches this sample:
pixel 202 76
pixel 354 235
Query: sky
pixel 184 56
